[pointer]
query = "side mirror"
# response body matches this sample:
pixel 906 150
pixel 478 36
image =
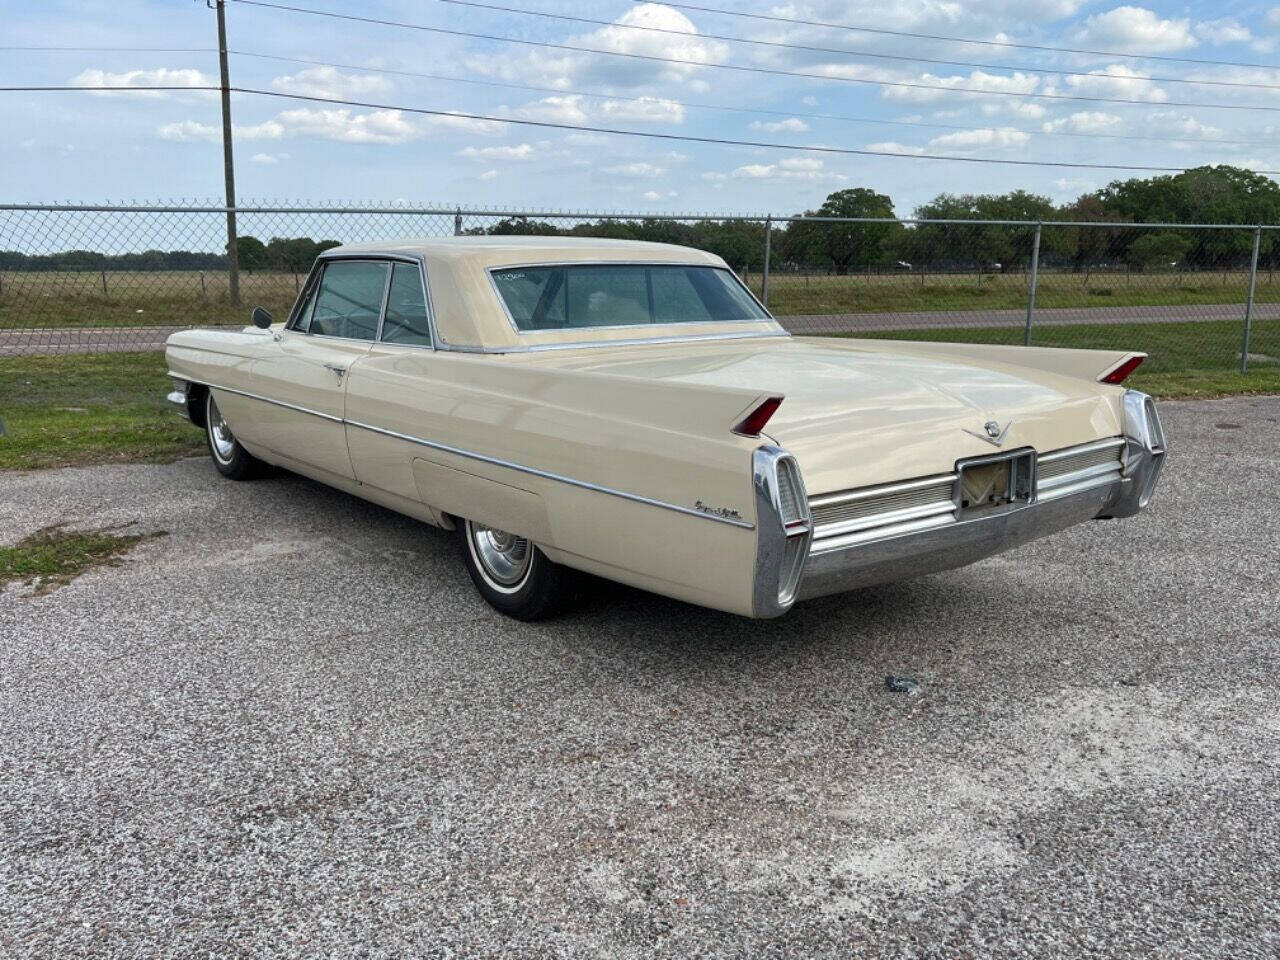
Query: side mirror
pixel 261 317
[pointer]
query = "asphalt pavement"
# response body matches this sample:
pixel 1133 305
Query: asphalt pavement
pixel 291 728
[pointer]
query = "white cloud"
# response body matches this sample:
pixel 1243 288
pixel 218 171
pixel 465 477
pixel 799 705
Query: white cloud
pixel 643 110
pixel 1135 30
pixel 522 151
pixel 1117 81
pixel 269 158
pixel 377 126
pixel 1273 17
pixel 568 109
pixel 447 121
pixel 191 131
pixel 565 69
pixel 489 175
pixel 892 146
pixel 161 77
pixel 636 169
pixel 789 168
pixel 332 83
pixel 1085 121
pixel 978 82
pixel 1219 32
pixel 1173 124
pixel 655 195
pixel 969 139
pixel 789 125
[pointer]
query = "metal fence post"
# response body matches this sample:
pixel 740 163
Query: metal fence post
pixel 1248 304
pixel 764 276
pixel 1031 290
pixel 457 223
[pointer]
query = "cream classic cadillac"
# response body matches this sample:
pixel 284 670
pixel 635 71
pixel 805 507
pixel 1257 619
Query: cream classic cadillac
pixel 630 410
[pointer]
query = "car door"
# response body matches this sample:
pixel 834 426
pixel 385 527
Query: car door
pixel 305 373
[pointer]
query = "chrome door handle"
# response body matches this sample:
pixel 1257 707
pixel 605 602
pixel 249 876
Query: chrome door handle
pixel 337 368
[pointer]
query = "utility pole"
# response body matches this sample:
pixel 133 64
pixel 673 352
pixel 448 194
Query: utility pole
pixel 228 163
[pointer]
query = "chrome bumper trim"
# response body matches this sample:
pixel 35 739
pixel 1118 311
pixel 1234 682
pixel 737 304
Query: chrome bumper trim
pixel 884 490
pixel 914 547
pixel 953 544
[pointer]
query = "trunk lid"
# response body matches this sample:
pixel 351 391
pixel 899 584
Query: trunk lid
pixel 855 416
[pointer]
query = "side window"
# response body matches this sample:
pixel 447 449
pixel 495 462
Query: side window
pixel 303 320
pixel 406 319
pixel 349 299
pixel 675 299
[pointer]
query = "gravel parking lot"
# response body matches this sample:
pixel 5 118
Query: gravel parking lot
pixel 290 728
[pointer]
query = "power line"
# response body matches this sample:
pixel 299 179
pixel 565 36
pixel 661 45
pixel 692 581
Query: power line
pixel 560 91
pixel 654 135
pixel 115 49
pixel 1044 48
pixel 759 70
pixel 612 131
pixel 777 44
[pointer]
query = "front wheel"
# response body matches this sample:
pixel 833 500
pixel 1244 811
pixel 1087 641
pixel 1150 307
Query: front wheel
pixel 512 574
pixel 231 459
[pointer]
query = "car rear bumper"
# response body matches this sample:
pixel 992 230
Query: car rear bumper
pixel 927 538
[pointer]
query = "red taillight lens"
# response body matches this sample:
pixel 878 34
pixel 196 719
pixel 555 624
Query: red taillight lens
pixel 754 423
pixel 1120 373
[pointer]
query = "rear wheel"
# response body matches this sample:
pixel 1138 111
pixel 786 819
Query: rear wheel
pixel 512 574
pixel 231 459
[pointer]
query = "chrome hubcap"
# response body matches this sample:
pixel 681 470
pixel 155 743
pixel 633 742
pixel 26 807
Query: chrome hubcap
pixel 220 436
pixel 504 557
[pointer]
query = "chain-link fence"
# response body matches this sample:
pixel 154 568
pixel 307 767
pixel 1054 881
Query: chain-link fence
pixel 1195 296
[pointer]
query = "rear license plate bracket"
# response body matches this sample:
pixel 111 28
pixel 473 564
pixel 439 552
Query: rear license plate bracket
pixel 997 482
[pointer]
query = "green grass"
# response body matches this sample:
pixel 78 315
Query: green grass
pixel 1190 359
pixel 192 297
pixel 138 298
pixel 85 409
pixel 792 294
pixel 69 410
pixel 54 556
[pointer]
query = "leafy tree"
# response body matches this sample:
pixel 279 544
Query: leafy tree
pixel 296 254
pixel 1158 247
pixel 251 253
pixel 986 244
pixel 1086 246
pixel 843 245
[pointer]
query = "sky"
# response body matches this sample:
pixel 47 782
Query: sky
pixel 148 146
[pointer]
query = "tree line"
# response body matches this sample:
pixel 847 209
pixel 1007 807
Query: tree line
pixel 1221 194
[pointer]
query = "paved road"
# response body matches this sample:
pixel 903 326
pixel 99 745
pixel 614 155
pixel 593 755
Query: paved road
pixel 289 728
pixel 51 340
pixel 1048 316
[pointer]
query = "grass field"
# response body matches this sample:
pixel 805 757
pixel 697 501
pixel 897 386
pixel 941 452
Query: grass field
pixel 81 409
pixel 46 299
pixel 1191 359
pixel 65 411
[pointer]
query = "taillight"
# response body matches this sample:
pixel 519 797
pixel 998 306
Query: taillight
pixel 1121 373
pixel 754 423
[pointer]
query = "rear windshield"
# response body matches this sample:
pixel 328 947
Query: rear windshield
pixel 622 295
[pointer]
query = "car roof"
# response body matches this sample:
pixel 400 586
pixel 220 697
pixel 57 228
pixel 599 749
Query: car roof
pixel 495 249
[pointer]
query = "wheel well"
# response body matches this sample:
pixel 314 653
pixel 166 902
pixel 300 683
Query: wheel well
pixel 196 392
